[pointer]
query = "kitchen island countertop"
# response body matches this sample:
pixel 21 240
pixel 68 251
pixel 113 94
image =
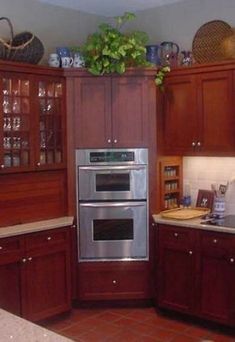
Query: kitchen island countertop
pixel 14 328
pixel 192 223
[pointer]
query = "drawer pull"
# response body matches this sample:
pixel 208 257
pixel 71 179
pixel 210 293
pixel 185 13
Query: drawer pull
pixel 114 282
pixel 215 240
pixel 24 260
pixel 176 234
pixel 49 238
pixel 0 247
pixel 231 260
pixel 190 252
pixel 30 259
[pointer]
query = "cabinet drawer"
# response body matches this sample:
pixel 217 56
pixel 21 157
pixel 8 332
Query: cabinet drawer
pixel 176 236
pixel 220 242
pixel 46 238
pixel 9 245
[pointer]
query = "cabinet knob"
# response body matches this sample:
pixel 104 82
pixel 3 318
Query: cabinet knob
pixel 114 281
pixel 153 224
pixel 193 143
pixel 109 141
pixel 0 247
pixel 231 260
pixel 74 226
pixel 215 240
pixel 38 164
pixel 198 143
pixel 30 259
pixel 49 238
pixel 176 234
pixel 24 260
pixel 190 252
pixel 115 141
pixel 2 166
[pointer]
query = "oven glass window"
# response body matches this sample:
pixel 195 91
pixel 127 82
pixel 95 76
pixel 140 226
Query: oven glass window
pixel 119 229
pixel 113 182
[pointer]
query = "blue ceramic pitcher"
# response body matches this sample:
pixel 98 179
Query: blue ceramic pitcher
pixel 169 51
pixel 153 54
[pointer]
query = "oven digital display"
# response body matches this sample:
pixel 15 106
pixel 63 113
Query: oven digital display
pixel 114 156
pixel 113 182
pixel 115 229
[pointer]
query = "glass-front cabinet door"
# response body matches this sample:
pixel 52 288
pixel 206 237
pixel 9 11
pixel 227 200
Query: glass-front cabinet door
pixel 51 123
pixel 16 122
pixel 32 119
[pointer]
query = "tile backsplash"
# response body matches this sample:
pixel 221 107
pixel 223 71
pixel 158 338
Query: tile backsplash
pixel 201 172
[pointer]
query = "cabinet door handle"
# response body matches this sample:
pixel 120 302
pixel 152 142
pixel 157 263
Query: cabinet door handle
pixel 176 234
pixel 2 166
pixel 215 240
pixel 38 164
pixel 0 247
pixel 193 144
pixel 231 260
pixel 30 259
pixel 190 252
pixel 115 141
pixel 109 141
pixel 114 282
pixel 49 238
pixel 24 260
pixel 198 143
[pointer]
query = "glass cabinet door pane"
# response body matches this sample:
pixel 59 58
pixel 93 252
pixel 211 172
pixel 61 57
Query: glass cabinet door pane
pixel 16 122
pixel 50 125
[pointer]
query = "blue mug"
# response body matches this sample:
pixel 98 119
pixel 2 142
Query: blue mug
pixel 153 54
pixel 63 51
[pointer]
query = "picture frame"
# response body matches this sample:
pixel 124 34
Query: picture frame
pixel 205 199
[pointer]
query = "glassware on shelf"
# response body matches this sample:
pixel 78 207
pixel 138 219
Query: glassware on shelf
pixel 41 89
pixel 7 160
pixel 7 142
pixel 6 124
pixel 16 105
pixel 16 123
pixel 24 87
pixel 6 104
pixel 6 86
pixel 16 142
pixel 16 160
pixel 58 89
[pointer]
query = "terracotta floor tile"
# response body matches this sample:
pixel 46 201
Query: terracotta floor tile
pixel 196 331
pixel 109 316
pixel 184 338
pixel 163 335
pixel 108 329
pixel 217 337
pixel 125 336
pixel 124 322
pixel 140 315
pixel 93 336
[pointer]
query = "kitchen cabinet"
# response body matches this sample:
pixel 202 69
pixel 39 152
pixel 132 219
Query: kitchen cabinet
pixel 32 118
pixel 113 111
pixel 197 116
pixel 35 274
pixel 177 253
pixel 217 276
pixel 196 272
pixel 114 280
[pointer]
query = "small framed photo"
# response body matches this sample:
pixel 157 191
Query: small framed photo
pixel 205 199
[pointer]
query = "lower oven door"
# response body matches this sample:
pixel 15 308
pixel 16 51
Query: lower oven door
pixel 113 231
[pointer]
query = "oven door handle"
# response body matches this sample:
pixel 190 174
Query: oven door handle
pixel 111 168
pixel 116 204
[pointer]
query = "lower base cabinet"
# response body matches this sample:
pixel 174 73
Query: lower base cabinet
pixel 114 280
pixel 35 274
pixel 196 272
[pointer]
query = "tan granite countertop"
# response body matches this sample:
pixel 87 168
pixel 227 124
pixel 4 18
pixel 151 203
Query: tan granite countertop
pixel 33 227
pixel 192 223
pixel 16 329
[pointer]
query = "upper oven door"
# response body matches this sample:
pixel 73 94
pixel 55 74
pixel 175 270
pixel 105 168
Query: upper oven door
pixel 112 182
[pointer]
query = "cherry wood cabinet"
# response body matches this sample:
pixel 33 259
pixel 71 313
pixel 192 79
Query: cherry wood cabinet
pixel 114 280
pixel 35 274
pixel 217 276
pixel 198 116
pixel 112 111
pixel 177 252
pixel 196 272
pixel 32 118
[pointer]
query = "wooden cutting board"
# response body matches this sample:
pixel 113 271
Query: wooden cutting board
pixel 184 213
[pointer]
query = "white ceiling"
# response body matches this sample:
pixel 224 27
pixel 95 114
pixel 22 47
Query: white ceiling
pixel 109 8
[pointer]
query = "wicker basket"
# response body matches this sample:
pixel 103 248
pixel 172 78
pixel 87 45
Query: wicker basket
pixel 23 47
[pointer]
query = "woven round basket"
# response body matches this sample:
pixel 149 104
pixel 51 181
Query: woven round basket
pixel 23 47
pixel 207 42
pixel 228 46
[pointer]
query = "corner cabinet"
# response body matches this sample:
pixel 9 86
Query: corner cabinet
pixel 197 112
pixel 196 272
pixel 113 111
pixel 32 118
pixel 35 274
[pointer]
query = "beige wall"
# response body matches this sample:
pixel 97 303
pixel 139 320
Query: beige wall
pixel 54 25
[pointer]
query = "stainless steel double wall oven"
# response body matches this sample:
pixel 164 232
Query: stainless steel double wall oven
pixel 112 204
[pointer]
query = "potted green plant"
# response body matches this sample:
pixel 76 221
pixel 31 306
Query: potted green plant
pixel 160 76
pixel 110 50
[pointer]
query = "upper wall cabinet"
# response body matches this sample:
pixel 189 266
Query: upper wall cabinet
pixel 198 111
pixel 113 111
pixel 32 119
